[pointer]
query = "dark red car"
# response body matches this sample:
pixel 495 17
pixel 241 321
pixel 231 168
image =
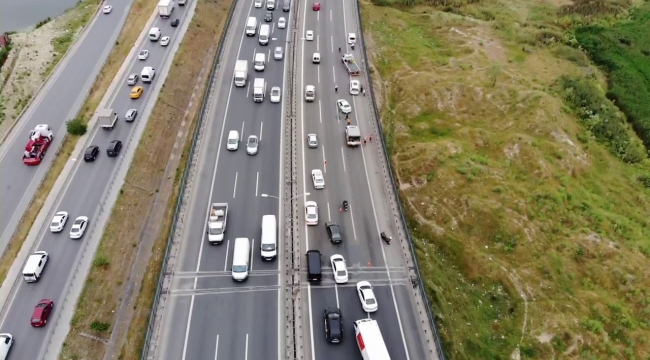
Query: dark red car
pixel 316 6
pixel 42 312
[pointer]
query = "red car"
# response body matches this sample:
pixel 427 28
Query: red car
pixel 42 312
pixel 316 6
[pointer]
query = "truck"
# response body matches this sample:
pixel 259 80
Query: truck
pixel 217 222
pixel 352 135
pixel 106 118
pixel 40 140
pixel 369 340
pixel 259 90
pixel 241 73
pixel 165 8
pixel 350 64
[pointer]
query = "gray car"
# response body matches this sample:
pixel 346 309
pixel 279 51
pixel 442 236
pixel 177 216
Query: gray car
pixel 278 53
pixel 252 145
pixel 131 114
pixel 312 141
pixel 132 79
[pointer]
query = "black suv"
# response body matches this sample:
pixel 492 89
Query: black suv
pixel 114 148
pixel 268 17
pixel 334 232
pixel 175 22
pixel 91 153
pixel 333 325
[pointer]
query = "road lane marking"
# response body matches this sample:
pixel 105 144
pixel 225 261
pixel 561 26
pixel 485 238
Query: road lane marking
pixel 329 215
pixel 225 263
pixel 251 255
pixel 257 182
pixel 325 166
pixel 268 56
pixel 354 229
pixel 330 14
pixel 318 73
pixel 234 190
pixel 261 127
pixel 248 88
pixel 317 43
pixel 332 43
pixel 214 177
pixel 241 134
pixel 216 349
pixel 254 52
pixel 272 28
pixel 320 114
pixel 336 291
pixel 317 15
pixel 246 353
pixel 343 156
pixel 333 73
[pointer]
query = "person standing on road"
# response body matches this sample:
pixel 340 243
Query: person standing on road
pixel 336 89
pixel 370 138
pixel 348 121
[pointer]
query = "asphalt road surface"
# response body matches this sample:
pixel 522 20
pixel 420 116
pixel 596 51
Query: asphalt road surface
pixel 80 196
pixel 346 172
pixel 58 102
pixel 210 316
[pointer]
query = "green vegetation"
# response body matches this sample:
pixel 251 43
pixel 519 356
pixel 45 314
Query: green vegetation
pixel 4 53
pixel 623 50
pixel 526 192
pixel 42 23
pixel 76 127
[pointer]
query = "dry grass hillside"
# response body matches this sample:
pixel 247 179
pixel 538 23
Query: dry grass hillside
pixel 533 237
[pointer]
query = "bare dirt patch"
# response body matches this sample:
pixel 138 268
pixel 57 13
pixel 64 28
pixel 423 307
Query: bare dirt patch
pixel 145 181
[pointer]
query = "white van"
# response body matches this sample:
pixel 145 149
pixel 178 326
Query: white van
pixel 6 340
pixel 265 32
pixel 147 74
pixel 251 26
pixel 233 140
pixel 259 61
pixel 154 34
pixel 34 266
pixel 269 244
pixel 241 259
pixel 270 4
pixel 352 38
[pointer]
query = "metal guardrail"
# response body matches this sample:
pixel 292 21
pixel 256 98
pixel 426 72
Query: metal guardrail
pixel 429 308
pixel 186 171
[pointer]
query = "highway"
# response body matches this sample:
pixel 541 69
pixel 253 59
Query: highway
pixel 58 101
pixel 81 195
pixel 348 175
pixel 209 316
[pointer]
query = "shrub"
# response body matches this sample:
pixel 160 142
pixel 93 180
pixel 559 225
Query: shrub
pixel 99 326
pixel 76 127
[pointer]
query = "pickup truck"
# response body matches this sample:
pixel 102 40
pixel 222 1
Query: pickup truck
pixel 350 64
pixel 217 222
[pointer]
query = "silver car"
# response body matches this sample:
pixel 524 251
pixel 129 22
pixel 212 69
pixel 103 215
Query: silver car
pixel 131 115
pixel 252 145
pixel 132 79
pixel 312 141
pixel 278 53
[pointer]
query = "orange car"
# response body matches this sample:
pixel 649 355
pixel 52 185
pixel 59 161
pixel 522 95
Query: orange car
pixel 136 92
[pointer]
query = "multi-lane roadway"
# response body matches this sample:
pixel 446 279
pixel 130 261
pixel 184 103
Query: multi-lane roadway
pixel 82 194
pixel 348 176
pixel 210 316
pixel 58 101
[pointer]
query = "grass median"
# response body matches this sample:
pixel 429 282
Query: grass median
pixel 96 312
pixel 530 225
pixel 138 16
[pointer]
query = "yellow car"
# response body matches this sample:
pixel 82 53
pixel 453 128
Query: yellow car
pixel 136 92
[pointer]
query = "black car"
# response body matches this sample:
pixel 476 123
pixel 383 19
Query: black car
pixel 91 153
pixel 334 232
pixel 268 17
pixel 114 148
pixel 175 22
pixel 333 325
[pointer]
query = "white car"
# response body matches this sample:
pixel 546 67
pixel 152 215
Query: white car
pixel 367 296
pixel 282 23
pixel 107 9
pixel 6 341
pixel 252 145
pixel 164 41
pixel 132 79
pixel 315 59
pixel 339 268
pixel 78 227
pixel 58 221
pixel 344 106
pixel 258 4
pixel 312 141
pixel 318 179
pixel 233 140
pixel 278 53
pixel 355 87
pixel 311 213
pixel 143 55
pixel 309 35
pixel 276 94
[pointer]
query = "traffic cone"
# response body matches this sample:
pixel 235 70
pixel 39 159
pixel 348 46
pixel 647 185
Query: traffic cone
pixel 340 209
pixel 325 162
pixel 368 264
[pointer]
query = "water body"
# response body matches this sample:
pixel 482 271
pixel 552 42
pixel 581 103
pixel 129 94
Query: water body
pixel 17 15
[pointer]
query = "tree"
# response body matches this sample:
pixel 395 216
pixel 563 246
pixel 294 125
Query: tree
pixel 76 127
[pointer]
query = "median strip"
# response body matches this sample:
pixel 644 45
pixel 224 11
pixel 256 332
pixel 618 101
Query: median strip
pixel 133 243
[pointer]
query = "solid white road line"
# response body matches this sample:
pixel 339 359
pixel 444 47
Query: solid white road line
pixel 343 156
pixel 336 291
pixel 246 353
pixel 234 190
pixel 354 229
pixel 320 114
pixel 318 73
pixel 261 128
pixel 329 215
pixel 216 348
pixel 251 259
pixel 334 74
pixel 332 40
pixel 225 263
pixel 257 183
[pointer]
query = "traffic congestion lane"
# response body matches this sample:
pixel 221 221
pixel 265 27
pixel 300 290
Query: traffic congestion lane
pixel 58 101
pixel 80 197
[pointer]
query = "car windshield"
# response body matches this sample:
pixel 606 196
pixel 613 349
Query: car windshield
pixel 232 141
pixel 276 92
pixel 340 273
pixel 268 247
pixel 55 223
pixel 311 215
pixel 252 142
pixel 78 223
pixel 36 320
pixel 216 231
pixel 238 268
pixel 370 301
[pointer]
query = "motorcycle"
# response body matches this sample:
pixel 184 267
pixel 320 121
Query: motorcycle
pixel 386 238
pixel 345 205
